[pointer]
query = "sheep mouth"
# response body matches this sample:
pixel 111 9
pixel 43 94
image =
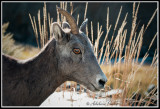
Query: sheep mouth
pixel 93 87
pixel 90 86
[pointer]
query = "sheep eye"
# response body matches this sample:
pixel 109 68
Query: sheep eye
pixel 77 51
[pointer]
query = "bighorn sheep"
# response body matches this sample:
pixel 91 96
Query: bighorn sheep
pixel 66 57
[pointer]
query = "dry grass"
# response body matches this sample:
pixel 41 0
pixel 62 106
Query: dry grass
pixel 12 48
pixel 9 47
pixel 141 75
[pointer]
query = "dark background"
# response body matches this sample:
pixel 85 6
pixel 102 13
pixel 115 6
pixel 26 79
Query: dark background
pixel 17 14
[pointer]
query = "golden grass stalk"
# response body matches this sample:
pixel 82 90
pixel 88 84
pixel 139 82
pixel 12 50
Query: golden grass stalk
pixel 108 27
pixel 61 6
pixel 106 54
pixel 135 44
pixel 77 19
pixel 102 48
pixel 140 44
pixel 133 28
pixel 154 58
pixel 116 43
pixel 99 34
pixel 151 20
pixel 58 19
pixel 122 44
pixel 65 6
pixel 92 32
pixel 139 48
pixel 152 41
pixel 85 13
pixel 143 59
pixel 43 42
pixel 40 28
pixel 133 9
pixel 34 28
pixel 71 7
pixel 104 43
pixel 116 23
pixel 45 22
pixel 134 22
pixel 36 32
pixel 4 27
pixel 49 22
pixel 115 29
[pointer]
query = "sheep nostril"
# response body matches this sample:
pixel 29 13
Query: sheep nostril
pixel 102 82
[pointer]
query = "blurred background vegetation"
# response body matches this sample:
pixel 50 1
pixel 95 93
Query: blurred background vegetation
pixel 20 26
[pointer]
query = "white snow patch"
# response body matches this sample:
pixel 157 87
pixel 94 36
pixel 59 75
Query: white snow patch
pixel 73 99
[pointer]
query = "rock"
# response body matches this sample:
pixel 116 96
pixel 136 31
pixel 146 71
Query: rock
pixel 135 100
pixel 150 97
pixel 78 87
pixel 151 94
pixel 151 88
pixel 68 85
pixel 136 96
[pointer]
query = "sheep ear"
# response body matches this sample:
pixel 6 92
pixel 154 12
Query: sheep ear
pixel 57 32
pixel 83 26
pixel 66 25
